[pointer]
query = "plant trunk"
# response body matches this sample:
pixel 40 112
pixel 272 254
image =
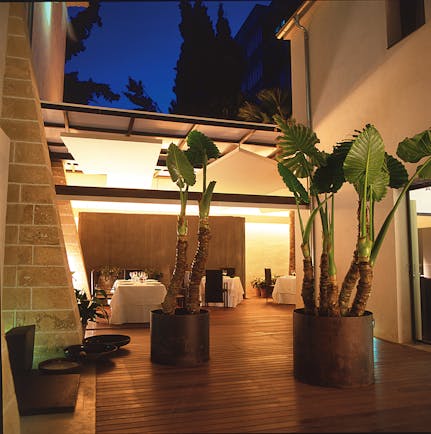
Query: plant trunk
pixel 333 306
pixel 363 290
pixel 198 266
pixel 308 287
pixel 324 284
pixel 177 279
pixel 349 283
pixel 352 275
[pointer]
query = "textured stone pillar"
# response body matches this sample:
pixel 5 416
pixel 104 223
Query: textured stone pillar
pixel 70 233
pixel 37 281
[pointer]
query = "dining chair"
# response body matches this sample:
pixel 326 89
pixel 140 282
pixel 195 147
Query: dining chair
pixel 269 286
pixel 214 291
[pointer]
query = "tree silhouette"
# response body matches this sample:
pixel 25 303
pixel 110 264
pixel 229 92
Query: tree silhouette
pixel 79 28
pixel 138 96
pixel 210 66
pixel 229 70
pixel 84 92
pixel 75 90
pixel 194 66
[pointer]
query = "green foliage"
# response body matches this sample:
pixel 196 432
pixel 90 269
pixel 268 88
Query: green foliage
pixel 204 203
pixel 297 148
pixel 413 149
pixel 270 102
pixel 364 162
pixel 398 175
pixel 201 149
pixel 330 177
pixel 293 184
pixel 91 309
pixel 179 167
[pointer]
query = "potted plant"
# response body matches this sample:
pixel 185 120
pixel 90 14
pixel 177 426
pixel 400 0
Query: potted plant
pixel 341 353
pixel 90 309
pixel 180 336
pixel 108 275
pixel 258 283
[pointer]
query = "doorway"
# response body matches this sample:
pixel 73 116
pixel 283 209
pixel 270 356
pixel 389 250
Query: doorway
pixel 419 200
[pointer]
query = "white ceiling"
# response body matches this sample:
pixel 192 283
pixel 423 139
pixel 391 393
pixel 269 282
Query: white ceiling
pixel 243 172
pixel 125 163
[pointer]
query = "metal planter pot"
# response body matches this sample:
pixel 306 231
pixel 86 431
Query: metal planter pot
pixel 333 351
pixel 181 339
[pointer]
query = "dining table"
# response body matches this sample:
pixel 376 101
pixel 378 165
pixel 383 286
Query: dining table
pixel 285 290
pixel 133 301
pixel 235 291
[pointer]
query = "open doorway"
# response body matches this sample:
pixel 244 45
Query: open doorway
pixel 420 247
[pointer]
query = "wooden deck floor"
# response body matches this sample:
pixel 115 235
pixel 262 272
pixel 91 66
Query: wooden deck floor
pixel 248 384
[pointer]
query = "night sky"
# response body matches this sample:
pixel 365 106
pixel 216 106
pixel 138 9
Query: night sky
pixel 142 39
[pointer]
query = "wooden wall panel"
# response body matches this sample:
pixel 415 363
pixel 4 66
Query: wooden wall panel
pixel 141 240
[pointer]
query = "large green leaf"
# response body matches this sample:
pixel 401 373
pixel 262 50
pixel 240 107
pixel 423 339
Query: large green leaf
pixel 179 167
pixel 298 165
pixel 296 137
pixel 330 177
pixel 425 170
pixel 397 172
pixel 377 190
pixel 412 149
pixel 201 148
pixel 364 161
pixel 205 202
pixel 293 183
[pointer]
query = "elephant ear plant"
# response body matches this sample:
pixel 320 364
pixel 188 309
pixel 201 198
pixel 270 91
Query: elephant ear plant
pixel 362 162
pixel 183 175
pixel 181 169
pixel 201 149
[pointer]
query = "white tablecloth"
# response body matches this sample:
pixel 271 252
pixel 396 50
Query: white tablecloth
pixel 235 291
pixel 285 290
pixel 134 301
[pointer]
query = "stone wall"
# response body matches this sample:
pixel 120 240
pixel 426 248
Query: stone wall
pixel 70 234
pixel 37 281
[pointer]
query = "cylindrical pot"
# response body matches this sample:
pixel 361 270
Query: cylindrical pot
pixel 333 351
pixel 181 339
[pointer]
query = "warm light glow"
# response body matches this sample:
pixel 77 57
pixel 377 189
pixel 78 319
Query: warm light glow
pixel 153 208
pixel 126 162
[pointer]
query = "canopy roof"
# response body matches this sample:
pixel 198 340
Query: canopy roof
pixel 132 144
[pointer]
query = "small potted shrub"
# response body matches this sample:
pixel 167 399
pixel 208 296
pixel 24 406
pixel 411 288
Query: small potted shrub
pixel 90 309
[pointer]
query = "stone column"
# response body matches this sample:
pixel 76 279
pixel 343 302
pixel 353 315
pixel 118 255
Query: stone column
pixel 37 281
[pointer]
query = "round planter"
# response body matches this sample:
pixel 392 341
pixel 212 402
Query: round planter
pixel 333 351
pixel 181 339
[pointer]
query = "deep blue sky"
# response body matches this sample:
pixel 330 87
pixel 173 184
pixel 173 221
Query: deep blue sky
pixel 142 39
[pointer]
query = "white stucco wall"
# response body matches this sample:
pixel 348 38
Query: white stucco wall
pixel 356 80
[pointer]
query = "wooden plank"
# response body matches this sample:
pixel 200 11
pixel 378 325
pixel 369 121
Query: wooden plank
pixel 248 384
